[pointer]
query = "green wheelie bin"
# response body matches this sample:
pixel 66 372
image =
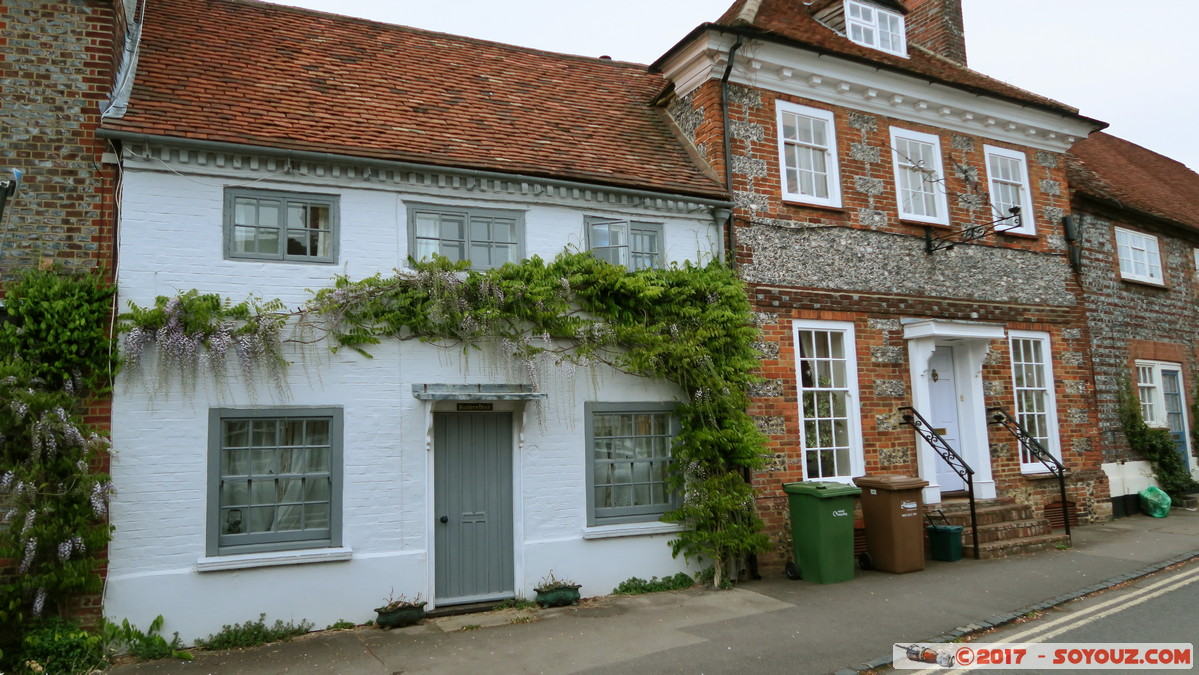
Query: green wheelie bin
pixel 821 531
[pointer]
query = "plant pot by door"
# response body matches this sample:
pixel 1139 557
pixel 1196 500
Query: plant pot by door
pixel 399 616
pixel 558 596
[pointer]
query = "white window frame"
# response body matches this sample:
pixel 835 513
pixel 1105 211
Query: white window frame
pixel 223 544
pixel 1151 392
pixel 872 26
pixel 788 148
pixel 598 515
pixel 1028 219
pixel 853 417
pixel 1043 383
pixel 1139 255
pixel 628 247
pixel 467 215
pixel 283 231
pixel 906 171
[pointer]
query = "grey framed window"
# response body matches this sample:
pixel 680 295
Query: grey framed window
pixel 628 461
pixel 268 225
pixel 275 479
pixel 634 244
pixel 488 238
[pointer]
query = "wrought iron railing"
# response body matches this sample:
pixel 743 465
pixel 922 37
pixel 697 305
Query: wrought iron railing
pixel 1030 444
pixel 914 419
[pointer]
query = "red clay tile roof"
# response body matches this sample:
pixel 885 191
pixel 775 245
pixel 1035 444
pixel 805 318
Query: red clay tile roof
pixel 1114 170
pixel 791 21
pixel 242 71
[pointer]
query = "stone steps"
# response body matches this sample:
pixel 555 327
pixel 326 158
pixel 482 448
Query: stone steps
pixel 1004 527
pixel 1004 548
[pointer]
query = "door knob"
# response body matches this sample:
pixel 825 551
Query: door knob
pixel 444 519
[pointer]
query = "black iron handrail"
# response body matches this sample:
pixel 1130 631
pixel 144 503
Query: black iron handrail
pixel 1003 418
pixel 914 419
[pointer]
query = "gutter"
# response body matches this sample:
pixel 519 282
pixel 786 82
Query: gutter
pixel 122 88
pixel 313 156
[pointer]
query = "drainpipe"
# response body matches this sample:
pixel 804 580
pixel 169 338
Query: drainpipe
pixel 732 227
pixel 728 150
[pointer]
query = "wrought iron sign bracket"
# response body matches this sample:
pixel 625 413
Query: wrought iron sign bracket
pixel 947 241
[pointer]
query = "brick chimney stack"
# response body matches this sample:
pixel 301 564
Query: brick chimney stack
pixel 937 26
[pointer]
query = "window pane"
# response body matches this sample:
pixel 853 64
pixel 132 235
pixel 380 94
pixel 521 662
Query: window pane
pixel 234 493
pixel 453 251
pixel 452 227
pixel 480 229
pixel 317 432
pixel 425 248
pixel 503 230
pixel 316 516
pixel 268 212
pixel 428 225
pixel 237 462
pixel 503 253
pixel 245 211
pixel 261 519
pixel 268 241
pixel 237 434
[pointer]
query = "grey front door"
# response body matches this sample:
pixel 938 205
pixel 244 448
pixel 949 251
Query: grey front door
pixel 472 483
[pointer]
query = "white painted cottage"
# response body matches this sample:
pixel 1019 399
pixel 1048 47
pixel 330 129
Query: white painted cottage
pixel 315 145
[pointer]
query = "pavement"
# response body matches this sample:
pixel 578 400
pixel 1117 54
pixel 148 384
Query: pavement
pixel 772 625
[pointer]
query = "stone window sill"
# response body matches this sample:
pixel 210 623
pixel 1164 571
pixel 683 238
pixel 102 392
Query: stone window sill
pixel 251 560
pixel 1041 474
pixel 629 530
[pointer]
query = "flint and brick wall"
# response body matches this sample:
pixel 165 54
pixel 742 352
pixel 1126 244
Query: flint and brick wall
pixel 1130 320
pixel 859 263
pixel 55 71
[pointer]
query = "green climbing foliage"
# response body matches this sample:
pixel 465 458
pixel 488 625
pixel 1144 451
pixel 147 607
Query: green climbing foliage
pixel 58 325
pixel 689 324
pixel 1155 445
pixel 54 354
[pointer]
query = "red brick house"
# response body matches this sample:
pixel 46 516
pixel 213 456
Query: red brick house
pixel 875 177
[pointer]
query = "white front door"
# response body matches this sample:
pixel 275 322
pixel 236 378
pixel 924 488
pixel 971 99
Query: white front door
pixel 944 414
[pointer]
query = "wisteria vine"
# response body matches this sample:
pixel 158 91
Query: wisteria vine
pixel 53 503
pixel 690 325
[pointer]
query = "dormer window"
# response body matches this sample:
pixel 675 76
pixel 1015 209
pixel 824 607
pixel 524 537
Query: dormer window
pixel 875 27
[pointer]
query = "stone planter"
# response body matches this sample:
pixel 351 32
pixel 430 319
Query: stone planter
pixel 405 615
pixel 558 596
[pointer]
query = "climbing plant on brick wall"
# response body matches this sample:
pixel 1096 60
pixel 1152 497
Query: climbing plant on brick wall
pixel 690 325
pixel 54 353
pixel 1155 445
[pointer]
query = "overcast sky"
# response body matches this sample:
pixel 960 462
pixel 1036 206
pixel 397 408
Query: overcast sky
pixel 1131 64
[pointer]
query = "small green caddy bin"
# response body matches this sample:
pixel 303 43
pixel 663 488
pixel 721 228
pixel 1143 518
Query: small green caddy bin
pixel 944 540
pixel 821 531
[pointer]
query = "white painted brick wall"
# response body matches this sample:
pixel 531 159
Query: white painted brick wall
pixel 171 241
